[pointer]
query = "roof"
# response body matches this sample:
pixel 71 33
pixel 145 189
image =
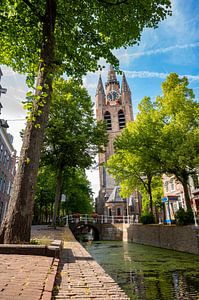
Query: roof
pixel 115 196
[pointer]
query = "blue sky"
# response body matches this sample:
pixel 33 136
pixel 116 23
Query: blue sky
pixel 172 47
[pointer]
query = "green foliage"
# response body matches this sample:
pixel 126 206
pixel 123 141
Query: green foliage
pixel 147 218
pixel 184 217
pixel 81 33
pixel 164 138
pixel 45 194
pixel 72 137
pixel 34 242
pixel 133 164
pixel 78 192
pixel 157 193
pixel 179 138
pixel 76 187
pixel 49 38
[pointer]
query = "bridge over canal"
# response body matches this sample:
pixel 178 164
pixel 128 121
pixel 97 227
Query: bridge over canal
pixel 98 227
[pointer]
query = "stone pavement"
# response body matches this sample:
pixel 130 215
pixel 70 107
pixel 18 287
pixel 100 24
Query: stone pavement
pixel 32 277
pixel 26 277
pixel 29 277
pixel 81 277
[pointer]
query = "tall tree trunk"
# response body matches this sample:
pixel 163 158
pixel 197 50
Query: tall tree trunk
pixel 149 179
pixel 186 194
pixel 184 179
pixel 16 227
pixel 59 181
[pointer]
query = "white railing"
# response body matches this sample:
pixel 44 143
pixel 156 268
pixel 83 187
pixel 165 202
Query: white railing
pixel 101 219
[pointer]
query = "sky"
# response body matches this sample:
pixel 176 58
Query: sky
pixel 172 47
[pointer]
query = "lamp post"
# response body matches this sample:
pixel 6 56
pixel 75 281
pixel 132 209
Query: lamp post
pixel 194 215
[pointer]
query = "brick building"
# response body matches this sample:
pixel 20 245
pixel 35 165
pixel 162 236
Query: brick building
pixel 174 194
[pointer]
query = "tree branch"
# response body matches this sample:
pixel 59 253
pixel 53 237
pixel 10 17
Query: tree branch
pixel 113 3
pixel 34 10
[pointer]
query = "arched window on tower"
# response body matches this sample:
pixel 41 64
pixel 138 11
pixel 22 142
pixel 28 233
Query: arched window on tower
pixel 107 118
pixel 121 119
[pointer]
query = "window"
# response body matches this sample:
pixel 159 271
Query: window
pixel 1 211
pixel 5 158
pixel 172 183
pixel 118 211
pixel 107 118
pixel 121 119
pixel 8 162
pixel 180 201
pixel 103 176
pixel 109 212
pixel 195 180
pixel 166 186
pixel 4 186
pixel 1 152
pixel 9 187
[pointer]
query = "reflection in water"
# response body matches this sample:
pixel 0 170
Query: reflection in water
pixel 149 273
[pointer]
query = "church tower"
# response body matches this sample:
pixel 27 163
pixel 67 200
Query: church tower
pixel 113 105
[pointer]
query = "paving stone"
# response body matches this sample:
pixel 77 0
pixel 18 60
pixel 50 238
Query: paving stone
pixel 83 278
pixel 23 276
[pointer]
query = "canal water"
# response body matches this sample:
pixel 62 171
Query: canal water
pixel 150 273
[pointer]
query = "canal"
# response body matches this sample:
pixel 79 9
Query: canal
pixel 150 273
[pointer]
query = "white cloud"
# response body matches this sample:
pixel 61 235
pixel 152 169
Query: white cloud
pixel 148 74
pixel 157 51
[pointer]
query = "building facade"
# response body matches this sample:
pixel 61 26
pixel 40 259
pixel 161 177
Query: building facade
pixel 7 169
pixel 7 163
pixel 114 106
pixel 174 197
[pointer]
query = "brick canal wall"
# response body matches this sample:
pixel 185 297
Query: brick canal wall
pixel 179 238
pixel 111 232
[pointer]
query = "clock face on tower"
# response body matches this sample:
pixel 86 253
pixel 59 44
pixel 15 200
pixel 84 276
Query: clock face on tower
pixel 113 96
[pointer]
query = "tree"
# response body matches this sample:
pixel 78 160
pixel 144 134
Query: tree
pixel 133 164
pixel 56 36
pixel 72 137
pixel 164 138
pixel 75 187
pixel 78 192
pixel 45 195
pixel 179 114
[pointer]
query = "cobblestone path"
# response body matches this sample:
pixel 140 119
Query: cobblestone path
pixel 81 277
pixel 25 277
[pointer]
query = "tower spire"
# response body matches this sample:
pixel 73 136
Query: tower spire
pixel 111 76
pixel 125 86
pixel 100 87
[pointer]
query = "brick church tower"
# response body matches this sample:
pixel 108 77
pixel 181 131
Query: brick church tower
pixel 113 105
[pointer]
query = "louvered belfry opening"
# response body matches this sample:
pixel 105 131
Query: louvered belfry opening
pixel 107 118
pixel 121 119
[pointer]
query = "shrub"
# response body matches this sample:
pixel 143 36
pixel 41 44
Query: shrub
pixel 147 218
pixel 184 217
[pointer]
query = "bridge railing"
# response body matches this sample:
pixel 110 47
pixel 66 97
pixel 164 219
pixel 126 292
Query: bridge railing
pixel 100 219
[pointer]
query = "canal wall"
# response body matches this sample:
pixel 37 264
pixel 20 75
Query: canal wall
pixel 179 238
pixel 111 232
